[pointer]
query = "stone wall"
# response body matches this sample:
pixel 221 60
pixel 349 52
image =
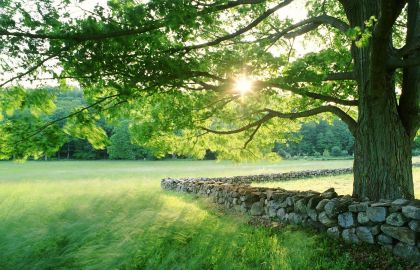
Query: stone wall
pixel 248 179
pixel 395 225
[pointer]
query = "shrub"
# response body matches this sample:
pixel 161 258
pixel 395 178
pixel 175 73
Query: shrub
pixel 336 151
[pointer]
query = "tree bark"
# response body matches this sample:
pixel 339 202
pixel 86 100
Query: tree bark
pixel 382 158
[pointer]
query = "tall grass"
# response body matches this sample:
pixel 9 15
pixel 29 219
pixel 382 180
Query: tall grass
pixel 113 215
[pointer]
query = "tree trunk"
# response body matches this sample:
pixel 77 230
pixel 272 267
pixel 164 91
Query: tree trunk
pixel 382 158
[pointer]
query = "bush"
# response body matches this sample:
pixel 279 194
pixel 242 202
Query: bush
pixel 326 153
pixel 336 151
pixel 283 153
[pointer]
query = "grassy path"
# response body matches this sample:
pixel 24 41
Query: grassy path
pixel 113 215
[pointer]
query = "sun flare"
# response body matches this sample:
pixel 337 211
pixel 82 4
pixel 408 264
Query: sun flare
pixel 243 84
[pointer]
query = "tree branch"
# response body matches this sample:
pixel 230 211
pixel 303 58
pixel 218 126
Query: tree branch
pixel 231 4
pixel 252 136
pixel 352 124
pixel 309 94
pixel 153 25
pixel 30 70
pixel 310 24
pixel 340 76
pixel 42 128
pixel 395 62
pixel 239 32
pixel 409 48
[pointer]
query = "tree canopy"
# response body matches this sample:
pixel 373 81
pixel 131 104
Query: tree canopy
pixel 174 68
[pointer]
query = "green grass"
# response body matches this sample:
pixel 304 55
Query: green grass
pixel 343 184
pixel 113 215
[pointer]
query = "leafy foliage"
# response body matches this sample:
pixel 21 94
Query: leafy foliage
pixel 170 67
pixel 316 138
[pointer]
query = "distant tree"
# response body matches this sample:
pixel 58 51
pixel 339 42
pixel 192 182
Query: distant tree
pixel 314 138
pixel 121 146
pixel 336 151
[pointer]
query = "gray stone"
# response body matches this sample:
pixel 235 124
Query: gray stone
pixel 313 214
pixel 346 219
pixel 400 202
pixel 329 195
pixel 414 225
pixel 283 203
pixel 394 208
pixel 320 206
pixel 334 232
pixel 359 207
pixel 300 206
pixel 331 189
pixel 273 204
pixel 375 230
pixel 411 212
pixel 250 197
pixel 381 204
pixel 365 235
pixel 362 218
pixel 257 209
pixel 272 212
pixel 281 212
pixel 289 201
pixel 330 208
pixel 396 219
pixel 403 234
pixel 376 214
pixel 313 202
pixel 337 206
pixel 349 236
pixel 408 252
pixel 324 219
pixel 295 219
pixel 244 209
pixel 384 239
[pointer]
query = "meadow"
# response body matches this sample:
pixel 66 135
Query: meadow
pixel 113 215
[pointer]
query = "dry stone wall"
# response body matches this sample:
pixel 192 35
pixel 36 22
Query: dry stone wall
pixel 395 225
pixel 274 177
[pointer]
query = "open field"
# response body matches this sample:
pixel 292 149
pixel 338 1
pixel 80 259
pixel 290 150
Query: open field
pixel 113 215
pixel 343 184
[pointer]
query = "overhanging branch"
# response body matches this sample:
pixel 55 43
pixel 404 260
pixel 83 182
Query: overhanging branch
pixel 310 24
pixel 309 94
pixel 239 32
pixel 270 114
pixel 30 70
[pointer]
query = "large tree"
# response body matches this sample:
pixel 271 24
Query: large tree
pixel 171 65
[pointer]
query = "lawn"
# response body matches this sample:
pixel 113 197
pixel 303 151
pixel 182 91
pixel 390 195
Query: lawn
pixel 113 215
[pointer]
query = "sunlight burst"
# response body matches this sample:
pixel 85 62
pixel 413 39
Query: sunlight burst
pixel 243 84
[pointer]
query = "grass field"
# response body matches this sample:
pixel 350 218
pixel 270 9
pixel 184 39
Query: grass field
pixel 113 215
pixel 343 184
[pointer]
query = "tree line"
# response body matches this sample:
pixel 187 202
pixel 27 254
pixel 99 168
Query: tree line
pixel 313 139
